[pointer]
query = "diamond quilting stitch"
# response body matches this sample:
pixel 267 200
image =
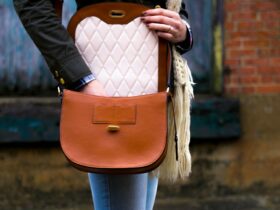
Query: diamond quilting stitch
pixel 123 61
pixel 83 41
pixel 122 41
pixel 117 53
pixel 124 66
pixel 89 28
pixel 87 54
pixel 110 65
pixel 110 41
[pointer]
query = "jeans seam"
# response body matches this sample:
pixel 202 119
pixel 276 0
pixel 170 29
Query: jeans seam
pixel 109 192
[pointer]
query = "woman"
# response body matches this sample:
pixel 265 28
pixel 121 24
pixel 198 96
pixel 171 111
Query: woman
pixel 112 192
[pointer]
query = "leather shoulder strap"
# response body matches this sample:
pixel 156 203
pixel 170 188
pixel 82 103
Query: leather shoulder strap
pixel 58 4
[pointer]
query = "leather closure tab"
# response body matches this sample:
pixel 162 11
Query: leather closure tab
pixel 113 128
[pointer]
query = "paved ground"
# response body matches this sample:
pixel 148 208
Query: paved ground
pixel 39 178
pixel 82 201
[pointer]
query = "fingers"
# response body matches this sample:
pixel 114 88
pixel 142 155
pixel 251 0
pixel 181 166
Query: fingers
pixel 162 20
pixel 167 24
pixel 161 27
pixel 161 12
pixel 166 36
pixel 162 16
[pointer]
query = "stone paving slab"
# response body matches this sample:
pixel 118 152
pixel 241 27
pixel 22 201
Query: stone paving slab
pixel 231 203
pixel 82 201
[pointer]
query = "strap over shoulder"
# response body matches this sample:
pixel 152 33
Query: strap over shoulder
pixel 58 5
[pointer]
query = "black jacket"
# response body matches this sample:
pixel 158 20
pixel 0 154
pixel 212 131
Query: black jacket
pixel 41 22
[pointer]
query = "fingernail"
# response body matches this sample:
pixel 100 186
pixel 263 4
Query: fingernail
pixel 143 19
pixel 144 13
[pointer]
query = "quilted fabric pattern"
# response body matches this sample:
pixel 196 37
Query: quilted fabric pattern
pixel 124 58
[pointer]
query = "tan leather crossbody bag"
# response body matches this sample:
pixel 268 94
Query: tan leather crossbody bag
pixel 127 131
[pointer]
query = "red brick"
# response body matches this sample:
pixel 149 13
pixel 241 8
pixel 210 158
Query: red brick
pixel 233 43
pixel 262 62
pixel 266 6
pixel 268 70
pixel 230 26
pixel 268 89
pixel 232 90
pixel 246 6
pixel 267 79
pixel 256 43
pixel 264 52
pixel 245 15
pixel 232 62
pixel 270 15
pixel 270 31
pixel 272 26
pixel 248 70
pixel 231 6
pixel 234 80
pixel 275 62
pixel 277 79
pixel 248 26
pixel 228 16
pixel 254 62
pixel 244 34
pixel 252 46
pixel 275 43
pixel 240 53
pixel 263 34
pixel 234 70
pixel 275 52
pixel 249 79
pixel 248 61
pixel 226 80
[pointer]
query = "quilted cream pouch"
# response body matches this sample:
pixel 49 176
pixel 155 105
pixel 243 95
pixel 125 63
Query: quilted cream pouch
pixel 124 57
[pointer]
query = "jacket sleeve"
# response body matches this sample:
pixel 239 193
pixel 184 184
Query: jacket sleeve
pixel 44 27
pixel 187 44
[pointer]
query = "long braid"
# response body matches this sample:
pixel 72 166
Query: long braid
pixel 172 170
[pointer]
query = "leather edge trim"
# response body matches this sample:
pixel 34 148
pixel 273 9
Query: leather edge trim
pixel 132 10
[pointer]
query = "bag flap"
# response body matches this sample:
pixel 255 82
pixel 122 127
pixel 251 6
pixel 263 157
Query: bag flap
pixel 141 142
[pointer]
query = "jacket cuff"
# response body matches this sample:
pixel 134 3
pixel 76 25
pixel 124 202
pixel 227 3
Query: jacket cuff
pixel 71 71
pixel 187 44
pixel 82 82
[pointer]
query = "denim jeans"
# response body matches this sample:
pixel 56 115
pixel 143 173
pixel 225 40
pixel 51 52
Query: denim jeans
pixel 123 192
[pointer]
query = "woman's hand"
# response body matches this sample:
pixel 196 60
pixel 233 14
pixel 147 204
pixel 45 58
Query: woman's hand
pixel 167 24
pixel 94 88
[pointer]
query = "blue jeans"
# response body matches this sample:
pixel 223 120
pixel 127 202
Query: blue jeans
pixel 123 192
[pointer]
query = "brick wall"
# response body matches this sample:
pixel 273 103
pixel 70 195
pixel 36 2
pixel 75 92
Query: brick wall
pixel 252 46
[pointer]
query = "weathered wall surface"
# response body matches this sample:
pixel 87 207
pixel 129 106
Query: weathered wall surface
pixel 252 38
pixel 238 174
pixel 241 173
pixel 252 160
